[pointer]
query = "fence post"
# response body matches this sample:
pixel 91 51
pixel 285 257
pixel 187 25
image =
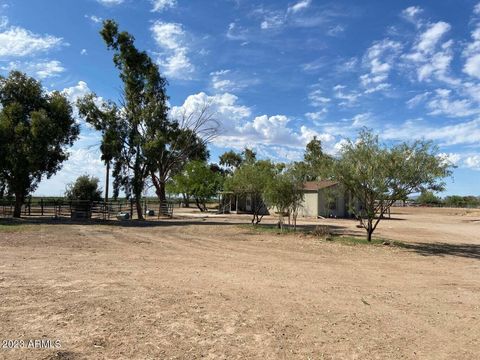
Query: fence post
pixel 131 209
pixel 41 206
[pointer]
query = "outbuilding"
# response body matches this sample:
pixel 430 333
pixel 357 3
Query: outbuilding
pixel 326 198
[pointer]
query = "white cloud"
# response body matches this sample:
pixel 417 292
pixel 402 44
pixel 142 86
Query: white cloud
pixel 75 92
pixel 464 133
pixel 472 162
pixel 236 32
pixel 430 38
pixel 472 55
pixel 317 99
pixel 348 98
pixel 299 6
pixel 94 18
pixel 411 14
pixel 174 60
pixel 230 81
pixel 272 20
pixel 429 56
pixel 160 5
pixel 238 129
pixel 336 30
pixel 3 22
pixel 362 120
pixel 18 42
pixel 417 99
pixel 110 2
pixel 444 104
pixel 84 52
pixel 39 69
pixel 380 58
pixel 317 115
pixel 476 9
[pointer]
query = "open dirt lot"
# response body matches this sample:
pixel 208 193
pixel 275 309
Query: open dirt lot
pixel 208 288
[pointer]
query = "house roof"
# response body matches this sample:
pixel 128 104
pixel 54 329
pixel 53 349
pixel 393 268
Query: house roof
pixel 317 185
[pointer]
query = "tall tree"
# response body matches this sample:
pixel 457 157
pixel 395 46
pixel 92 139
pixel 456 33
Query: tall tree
pixel 230 160
pixel 105 117
pixel 154 146
pixel 377 175
pixel 185 139
pixel 317 164
pixel 144 111
pixel 36 128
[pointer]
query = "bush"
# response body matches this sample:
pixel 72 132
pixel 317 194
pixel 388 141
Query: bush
pixel 84 188
pixel 323 232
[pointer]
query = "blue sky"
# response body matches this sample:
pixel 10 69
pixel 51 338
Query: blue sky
pixel 275 73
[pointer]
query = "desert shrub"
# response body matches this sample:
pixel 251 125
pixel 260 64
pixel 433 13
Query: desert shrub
pixel 323 231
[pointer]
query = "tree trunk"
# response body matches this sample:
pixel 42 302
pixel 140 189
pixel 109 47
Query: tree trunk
pixel 200 206
pixel 17 211
pixel 138 205
pixel 159 190
pixel 107 181
pixel 186 200
pixel 369 231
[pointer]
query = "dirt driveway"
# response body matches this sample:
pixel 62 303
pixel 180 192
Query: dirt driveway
pixel 207 288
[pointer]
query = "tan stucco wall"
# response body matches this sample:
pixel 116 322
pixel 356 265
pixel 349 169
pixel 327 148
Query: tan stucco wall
pixel 310 204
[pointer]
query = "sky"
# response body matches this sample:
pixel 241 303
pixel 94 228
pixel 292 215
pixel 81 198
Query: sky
pixel 275 73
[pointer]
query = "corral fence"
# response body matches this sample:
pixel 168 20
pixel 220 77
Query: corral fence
pixel 80 209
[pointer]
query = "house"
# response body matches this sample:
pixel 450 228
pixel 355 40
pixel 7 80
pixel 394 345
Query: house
pixel 240 203
pixel 326 198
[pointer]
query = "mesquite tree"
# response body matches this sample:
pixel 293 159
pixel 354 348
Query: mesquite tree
pixel 377 175
pixel 199 181
pixel 252 179
pixel 36 128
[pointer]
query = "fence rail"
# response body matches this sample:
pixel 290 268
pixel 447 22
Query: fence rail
pixel 56 208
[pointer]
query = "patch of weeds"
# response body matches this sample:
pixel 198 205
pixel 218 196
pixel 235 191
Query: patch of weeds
pixel 271 229
pixel 357 240
pixel 13 226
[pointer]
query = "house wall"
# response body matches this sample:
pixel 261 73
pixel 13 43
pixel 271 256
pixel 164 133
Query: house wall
pixel 336 196
pixel 310 204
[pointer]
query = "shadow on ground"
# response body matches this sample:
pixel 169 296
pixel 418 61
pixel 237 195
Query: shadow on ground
pixel 471 251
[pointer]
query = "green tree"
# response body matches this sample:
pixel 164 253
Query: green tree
pixel 144 110
pixel 154 145
pixel 36 128
pixel 428 198
pixel 184 140
pixel 252 179
pixel 249 155
pixel 107 119
pixel 197 180
pixel 231 160
pixel 377 175
pixel 284 193
pixel 317 164
pixel 84 188
pixel 462 201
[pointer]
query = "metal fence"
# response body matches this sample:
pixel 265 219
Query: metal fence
pixel 79 209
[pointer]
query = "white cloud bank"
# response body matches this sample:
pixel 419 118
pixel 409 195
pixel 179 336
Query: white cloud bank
pixel 18 42
pixel 174 59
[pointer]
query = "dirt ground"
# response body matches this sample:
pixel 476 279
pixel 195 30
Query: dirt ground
pixel 195 287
